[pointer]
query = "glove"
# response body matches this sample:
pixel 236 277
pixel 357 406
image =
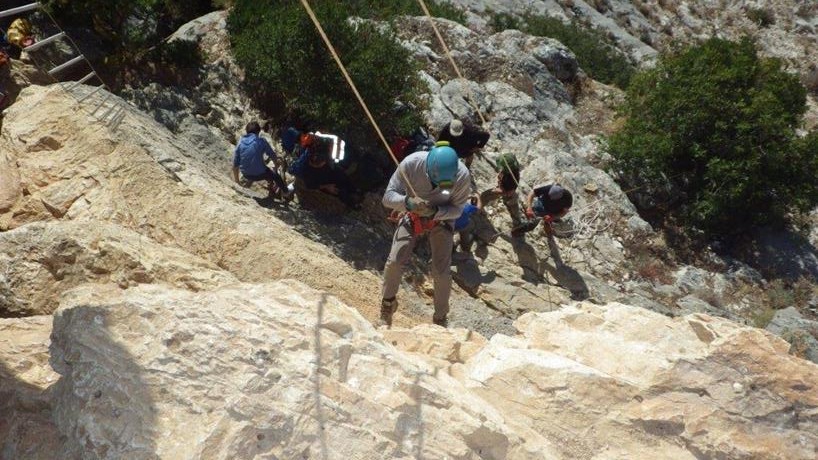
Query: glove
pixel 529 213
pixel 420 207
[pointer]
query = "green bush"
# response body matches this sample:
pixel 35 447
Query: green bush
pixel 288 66
pixel 131 31
pixel 594 52
pixel 711 129
pixel 761 16
pixel 129 23
pixel 384 11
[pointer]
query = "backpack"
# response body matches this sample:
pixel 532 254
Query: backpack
pixel 509 169
pixel 507 164
pixel 418 140
pixel 290 139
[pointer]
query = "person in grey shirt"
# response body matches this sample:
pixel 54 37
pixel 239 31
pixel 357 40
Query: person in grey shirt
pixel 441 184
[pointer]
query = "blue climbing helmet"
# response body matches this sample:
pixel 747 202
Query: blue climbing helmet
pixel 441 165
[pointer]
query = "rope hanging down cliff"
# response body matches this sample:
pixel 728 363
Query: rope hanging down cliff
pixel 349 81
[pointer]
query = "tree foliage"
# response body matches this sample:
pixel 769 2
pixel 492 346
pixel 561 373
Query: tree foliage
pixel 712 130
pixel 289 67
pixel 131 32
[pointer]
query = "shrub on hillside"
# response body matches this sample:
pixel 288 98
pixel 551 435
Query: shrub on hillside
pixel 133 30
pixel 711 129
pixel 595 54
pixel 761 16
pixel 289 68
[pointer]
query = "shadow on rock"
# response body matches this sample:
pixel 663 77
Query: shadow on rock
pixel 467 273
pixel 357 242
pixel 781 254
pixel 102 403
pixel 26 426
pixel 534 268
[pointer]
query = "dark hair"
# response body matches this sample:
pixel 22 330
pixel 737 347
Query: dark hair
pixel 252 127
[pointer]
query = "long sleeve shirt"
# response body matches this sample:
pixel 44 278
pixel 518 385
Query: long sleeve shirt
pixel 449 202
pixel 249 155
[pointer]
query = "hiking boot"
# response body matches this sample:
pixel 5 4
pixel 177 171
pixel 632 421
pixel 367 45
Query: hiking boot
pixel 388 307
pixel 443 322
pixel 525 227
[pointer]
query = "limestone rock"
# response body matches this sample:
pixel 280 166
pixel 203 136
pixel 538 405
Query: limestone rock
pixel 276 370
pixel 801 332
pixel 123 178
pixel 676 392
pixel 648 386
pixel 43 260
pixel 9 183
pixel 26 428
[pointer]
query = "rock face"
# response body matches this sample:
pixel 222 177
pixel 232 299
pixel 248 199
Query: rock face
pixel 255 371
pixel 144 180
pixel 622 382
pixel 62 255
pixel 26 427
pixel 280 370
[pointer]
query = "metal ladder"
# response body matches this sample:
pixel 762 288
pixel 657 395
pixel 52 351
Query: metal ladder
pixel 105 109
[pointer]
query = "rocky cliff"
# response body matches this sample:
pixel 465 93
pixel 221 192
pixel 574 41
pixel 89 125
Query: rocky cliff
pixel 192 320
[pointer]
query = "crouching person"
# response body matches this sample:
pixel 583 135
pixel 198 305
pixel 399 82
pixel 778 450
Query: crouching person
pixel 319 174
pixel 547 203
pixel 249 158
pixel 441 184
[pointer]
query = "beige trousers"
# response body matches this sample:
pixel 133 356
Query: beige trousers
pixel 403 243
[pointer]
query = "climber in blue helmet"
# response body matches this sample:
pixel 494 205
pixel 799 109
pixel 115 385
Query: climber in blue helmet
pixel 430 189
pixel 442 165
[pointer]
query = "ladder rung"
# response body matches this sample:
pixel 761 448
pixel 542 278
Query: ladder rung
pixel 67 64
pixel 45 41
pixel 19 9
pixel 117 118
pixel 80 81
pixel 90 93
pixel 104 100
pixel 109 111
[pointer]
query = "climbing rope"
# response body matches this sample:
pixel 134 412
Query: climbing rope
pixel 351 84
pixel 470 99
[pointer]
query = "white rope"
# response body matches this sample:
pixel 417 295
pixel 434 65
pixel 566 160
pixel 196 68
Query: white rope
pixel 343 69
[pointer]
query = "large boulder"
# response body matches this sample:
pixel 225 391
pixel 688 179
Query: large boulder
pixel 256 371
pixel 616 381
pixel 45 259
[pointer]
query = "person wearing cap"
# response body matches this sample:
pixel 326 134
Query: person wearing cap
pixel 549 202
pixel 465 138
pixel 432 189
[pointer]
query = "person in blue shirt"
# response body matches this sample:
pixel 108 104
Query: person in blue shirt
pixel 465 226
pixel 248 158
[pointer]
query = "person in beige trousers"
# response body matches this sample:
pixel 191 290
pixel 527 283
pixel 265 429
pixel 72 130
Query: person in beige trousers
pixel 439 187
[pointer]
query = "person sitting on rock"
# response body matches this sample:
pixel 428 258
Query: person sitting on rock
pixel 249 159
pixel 319 174
pixel 431 189
pixel 547 203
pixel 508 179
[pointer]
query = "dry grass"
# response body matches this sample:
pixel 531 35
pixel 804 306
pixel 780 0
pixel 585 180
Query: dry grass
pixel 650 262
